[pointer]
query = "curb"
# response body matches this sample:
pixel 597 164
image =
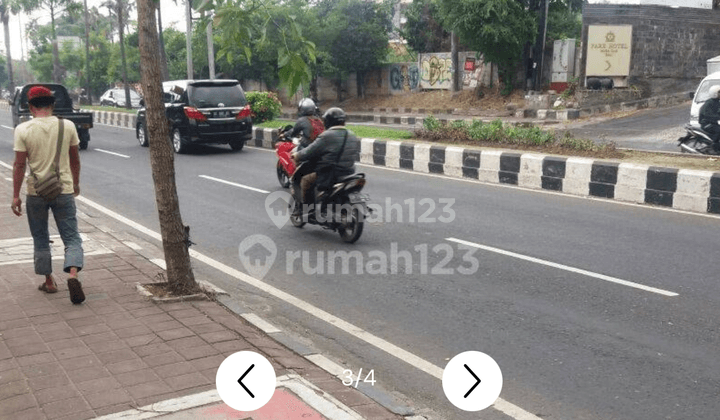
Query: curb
pixel 680 189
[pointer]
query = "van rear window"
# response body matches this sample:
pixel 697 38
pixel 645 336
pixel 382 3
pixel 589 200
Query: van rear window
pixel 703 94
pixel 211 96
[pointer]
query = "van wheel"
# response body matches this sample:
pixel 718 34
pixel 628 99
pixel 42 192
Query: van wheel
pixel 237 145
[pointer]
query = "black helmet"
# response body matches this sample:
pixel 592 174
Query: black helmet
pixel 306 107
pixel 334 116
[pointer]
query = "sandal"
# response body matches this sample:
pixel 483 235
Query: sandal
pixel 77 295
pixel 44 287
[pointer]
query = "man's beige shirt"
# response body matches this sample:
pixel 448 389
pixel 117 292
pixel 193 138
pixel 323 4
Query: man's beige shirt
pixel 38 137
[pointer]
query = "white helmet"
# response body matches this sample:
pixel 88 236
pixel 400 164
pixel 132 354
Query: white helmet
pixel 714 91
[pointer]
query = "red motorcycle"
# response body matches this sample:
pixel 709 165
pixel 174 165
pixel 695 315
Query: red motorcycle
pixel 284 147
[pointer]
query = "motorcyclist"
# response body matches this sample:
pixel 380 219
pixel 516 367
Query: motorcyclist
pixel 710 115
pixel 332 155
pixel 308 125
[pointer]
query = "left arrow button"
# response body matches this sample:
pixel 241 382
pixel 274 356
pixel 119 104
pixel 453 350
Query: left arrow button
pixel 245 374
pixel 256 377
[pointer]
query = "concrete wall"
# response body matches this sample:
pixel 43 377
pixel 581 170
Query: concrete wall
pixel 670 45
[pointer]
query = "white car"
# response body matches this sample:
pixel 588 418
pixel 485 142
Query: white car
pixel 116 97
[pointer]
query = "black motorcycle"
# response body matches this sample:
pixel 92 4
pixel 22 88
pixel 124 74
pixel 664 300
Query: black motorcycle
pixel 343 208
pixel 696 141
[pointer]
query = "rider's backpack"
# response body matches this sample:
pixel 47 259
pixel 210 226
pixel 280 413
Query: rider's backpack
pixel 317 127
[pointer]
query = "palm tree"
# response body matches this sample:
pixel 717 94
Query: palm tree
pixel 5 11
pixel 121 9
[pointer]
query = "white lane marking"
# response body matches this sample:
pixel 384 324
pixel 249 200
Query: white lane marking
pixel 357 332
pixel 234 184
pixel 8 179
pixel 260 323
pixel 5 165
pixel 5 126
pixel 112 153
pixel 565 267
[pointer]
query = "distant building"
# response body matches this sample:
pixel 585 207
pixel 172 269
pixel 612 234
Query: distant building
pixel 671 41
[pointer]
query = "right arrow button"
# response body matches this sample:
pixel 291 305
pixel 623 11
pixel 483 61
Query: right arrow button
pixel 468 392
pixel 477 381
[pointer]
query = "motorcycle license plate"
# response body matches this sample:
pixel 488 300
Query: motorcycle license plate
pixel 359 198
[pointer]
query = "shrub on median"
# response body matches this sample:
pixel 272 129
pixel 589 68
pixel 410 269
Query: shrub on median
pixel 265 106
pixel 478 132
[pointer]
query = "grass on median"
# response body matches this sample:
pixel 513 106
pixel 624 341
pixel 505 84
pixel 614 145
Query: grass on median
pixel 359 130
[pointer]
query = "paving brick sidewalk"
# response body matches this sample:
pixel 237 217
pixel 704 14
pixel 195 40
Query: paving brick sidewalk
pixel 119 350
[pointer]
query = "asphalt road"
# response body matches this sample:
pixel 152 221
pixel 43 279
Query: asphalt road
pixel 571 345
pixel 655 129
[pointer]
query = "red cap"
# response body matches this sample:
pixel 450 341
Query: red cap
pixel 39 92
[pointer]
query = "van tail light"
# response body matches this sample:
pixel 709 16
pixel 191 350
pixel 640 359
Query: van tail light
pixel 244 113
pixel 194 114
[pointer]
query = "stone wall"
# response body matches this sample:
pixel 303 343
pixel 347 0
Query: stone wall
pixel 670 45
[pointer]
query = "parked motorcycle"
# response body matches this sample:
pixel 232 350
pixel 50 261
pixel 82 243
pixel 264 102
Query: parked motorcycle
pixel 696 141
pixel 342 209
pixel 284 146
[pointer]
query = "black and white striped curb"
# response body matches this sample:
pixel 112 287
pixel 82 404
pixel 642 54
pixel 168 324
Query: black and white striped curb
pixel 681 189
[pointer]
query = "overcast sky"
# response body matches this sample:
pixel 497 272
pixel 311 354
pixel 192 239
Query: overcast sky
pixel 172 15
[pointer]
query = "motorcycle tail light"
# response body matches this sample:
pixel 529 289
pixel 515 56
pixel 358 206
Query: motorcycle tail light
pixel 244 113
pixel 194 114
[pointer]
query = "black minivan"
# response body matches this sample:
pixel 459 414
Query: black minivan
pixel 203 112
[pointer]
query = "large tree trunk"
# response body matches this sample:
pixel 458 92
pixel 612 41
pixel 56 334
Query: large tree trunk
pixel 6 29
pixel 174 237
pixel 163 56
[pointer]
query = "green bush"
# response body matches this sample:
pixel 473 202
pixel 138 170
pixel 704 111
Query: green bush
pixel 265 106
pixel 497 132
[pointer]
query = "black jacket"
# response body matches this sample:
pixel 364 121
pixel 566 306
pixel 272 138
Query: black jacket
pixel 304 129
pixel 330 158
pixel 710 112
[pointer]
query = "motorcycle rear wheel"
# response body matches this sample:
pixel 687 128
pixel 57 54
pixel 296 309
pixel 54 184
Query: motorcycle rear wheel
pixel 282 176
pixel 296 216
pixel 351 226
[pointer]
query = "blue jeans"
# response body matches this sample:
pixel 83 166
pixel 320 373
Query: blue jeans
pixel 63 208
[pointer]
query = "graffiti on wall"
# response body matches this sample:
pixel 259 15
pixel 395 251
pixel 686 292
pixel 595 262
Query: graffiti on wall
pixel 435 71
pixel 404 77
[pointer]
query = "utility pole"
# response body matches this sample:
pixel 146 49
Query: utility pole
pixel 210 47
pixel 455 61
pixel 87 57
pixel 188 40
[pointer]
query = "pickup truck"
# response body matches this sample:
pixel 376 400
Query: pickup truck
pixel 63 108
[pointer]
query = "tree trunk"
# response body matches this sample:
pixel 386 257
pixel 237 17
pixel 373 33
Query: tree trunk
pixel 6 30
pixel 174 237
pixel 360 82
pixel 163 56
pixel 128 105
pixel 88 95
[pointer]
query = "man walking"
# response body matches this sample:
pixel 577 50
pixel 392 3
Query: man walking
pixel 36 145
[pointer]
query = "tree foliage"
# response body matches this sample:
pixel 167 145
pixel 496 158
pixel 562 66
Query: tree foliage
pixel 422 31
pixel 499 29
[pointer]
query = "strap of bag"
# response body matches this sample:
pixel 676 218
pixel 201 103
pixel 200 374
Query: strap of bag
pixel 61 133
pixel 342 148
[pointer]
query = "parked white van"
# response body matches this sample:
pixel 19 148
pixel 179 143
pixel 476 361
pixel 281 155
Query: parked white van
pixel 702 95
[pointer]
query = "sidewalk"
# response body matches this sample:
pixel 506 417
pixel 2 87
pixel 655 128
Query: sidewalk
pixel 120 355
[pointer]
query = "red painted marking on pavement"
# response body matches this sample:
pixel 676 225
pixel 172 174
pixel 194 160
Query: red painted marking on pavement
pixel 284 405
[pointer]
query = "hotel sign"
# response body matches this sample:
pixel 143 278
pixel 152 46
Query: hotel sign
pixel 608 50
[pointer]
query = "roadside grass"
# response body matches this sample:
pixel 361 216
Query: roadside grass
pixel 108 108
pixel 359 130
